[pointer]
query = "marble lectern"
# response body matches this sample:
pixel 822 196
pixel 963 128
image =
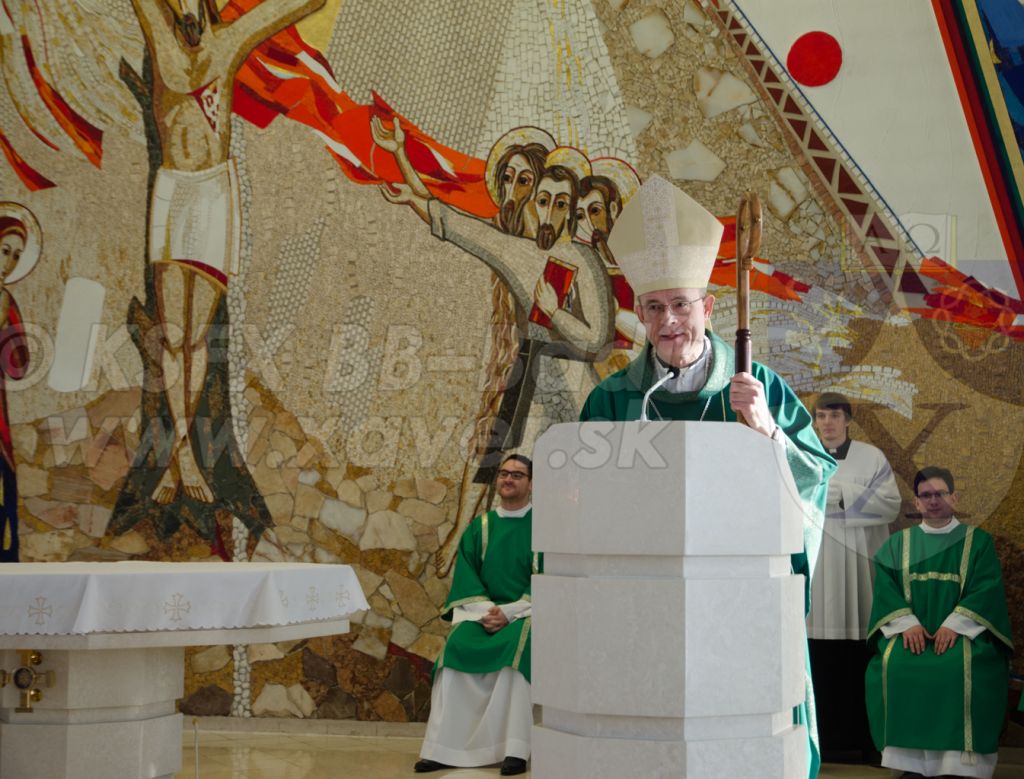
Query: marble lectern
pixel 668 636
pixel 92 658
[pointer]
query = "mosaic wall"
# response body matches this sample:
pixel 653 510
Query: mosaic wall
pixel 279 314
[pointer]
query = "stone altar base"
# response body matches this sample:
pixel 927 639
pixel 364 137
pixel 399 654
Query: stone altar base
pixel 93 653
pixel 111 714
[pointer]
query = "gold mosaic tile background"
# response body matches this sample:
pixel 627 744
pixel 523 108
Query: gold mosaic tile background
pixel 358 340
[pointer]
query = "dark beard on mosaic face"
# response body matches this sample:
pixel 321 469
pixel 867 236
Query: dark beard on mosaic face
pixel 191 30
pixel 546 236
pixel 511 217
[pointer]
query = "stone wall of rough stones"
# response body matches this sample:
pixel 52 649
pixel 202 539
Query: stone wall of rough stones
pixel 358 340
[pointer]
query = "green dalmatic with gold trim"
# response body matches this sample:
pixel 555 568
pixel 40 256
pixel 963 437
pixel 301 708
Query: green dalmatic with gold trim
pixel 494 563
pixel 956 700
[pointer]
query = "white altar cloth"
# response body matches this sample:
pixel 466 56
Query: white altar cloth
pixel 81 598
pixel 113 634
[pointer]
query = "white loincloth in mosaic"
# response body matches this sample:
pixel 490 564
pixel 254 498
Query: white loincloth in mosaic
pixel 195 220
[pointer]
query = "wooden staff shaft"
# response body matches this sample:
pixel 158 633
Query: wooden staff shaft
pixel 748 242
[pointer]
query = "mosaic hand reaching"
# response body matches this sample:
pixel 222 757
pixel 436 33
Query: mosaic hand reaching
pixel 389 139
pixel 393 140
pixel 403 195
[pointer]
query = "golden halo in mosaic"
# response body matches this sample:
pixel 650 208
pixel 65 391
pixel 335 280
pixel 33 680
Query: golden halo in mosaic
pixel 33 240
pixel 571 158
pixel 620 173
pixel 518 136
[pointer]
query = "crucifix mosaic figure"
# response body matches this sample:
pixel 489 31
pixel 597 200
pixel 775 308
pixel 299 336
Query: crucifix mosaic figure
pixel 194 215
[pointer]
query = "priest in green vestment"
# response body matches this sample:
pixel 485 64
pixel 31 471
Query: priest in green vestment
pixel 937 683
pixel 666 245
pixel 480 707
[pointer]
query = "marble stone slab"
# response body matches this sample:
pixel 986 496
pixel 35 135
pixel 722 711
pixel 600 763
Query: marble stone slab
pixel 147 749
pixel 663 488
pixel 667 627
pixel 668 647
pixel 104 680
pixel 667 728
pixel 559 755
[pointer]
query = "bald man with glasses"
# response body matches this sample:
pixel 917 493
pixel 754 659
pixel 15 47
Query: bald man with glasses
pixel 940 636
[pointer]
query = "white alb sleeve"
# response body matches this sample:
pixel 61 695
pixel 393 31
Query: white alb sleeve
pixel 471 612
pixel 898 625
pixel 520 609
pixel 965 626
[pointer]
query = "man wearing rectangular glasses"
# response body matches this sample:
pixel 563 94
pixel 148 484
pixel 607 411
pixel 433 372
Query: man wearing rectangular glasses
pixel 480 709
pixel 940 634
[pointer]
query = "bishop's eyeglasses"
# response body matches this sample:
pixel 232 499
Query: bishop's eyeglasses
pixel 680 307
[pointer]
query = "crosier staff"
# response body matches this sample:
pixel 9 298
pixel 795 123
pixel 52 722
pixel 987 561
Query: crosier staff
pixel 748 243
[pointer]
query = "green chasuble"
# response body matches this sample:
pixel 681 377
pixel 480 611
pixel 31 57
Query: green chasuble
pixel 494 563
pixel 620 397
pixel 954 701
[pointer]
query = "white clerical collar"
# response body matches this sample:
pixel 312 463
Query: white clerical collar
pixel 939 531
pixel 691 377
pixel 514 512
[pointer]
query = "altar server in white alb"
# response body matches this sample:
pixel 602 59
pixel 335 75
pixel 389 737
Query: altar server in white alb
pixel 862 501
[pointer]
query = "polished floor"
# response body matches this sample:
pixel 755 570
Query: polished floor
pixel 281 756
pixel 371 753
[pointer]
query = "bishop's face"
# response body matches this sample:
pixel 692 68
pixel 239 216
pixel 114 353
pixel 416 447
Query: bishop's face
pixel 553 205
pixel 675 320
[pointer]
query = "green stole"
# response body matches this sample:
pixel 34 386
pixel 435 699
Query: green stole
pixel 953 701
pixel 494 562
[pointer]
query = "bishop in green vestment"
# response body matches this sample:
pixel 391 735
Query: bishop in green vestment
pixel 480 708
pixel 703 393
pixel 938 680
pixel 666 245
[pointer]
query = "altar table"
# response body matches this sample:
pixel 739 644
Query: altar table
pixel 110 638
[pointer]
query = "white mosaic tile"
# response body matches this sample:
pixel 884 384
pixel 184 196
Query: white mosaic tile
pixel 652 34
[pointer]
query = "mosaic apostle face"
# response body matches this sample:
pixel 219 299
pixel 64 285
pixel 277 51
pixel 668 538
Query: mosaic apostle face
pixel 555 205
pixel 598 208
pixel 519 171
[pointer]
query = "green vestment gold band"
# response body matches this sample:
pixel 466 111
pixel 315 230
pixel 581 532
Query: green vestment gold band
pixel 954 701
pixel 494 563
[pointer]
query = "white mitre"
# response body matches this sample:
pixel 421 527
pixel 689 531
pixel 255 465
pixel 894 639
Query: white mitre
pixel 664 239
